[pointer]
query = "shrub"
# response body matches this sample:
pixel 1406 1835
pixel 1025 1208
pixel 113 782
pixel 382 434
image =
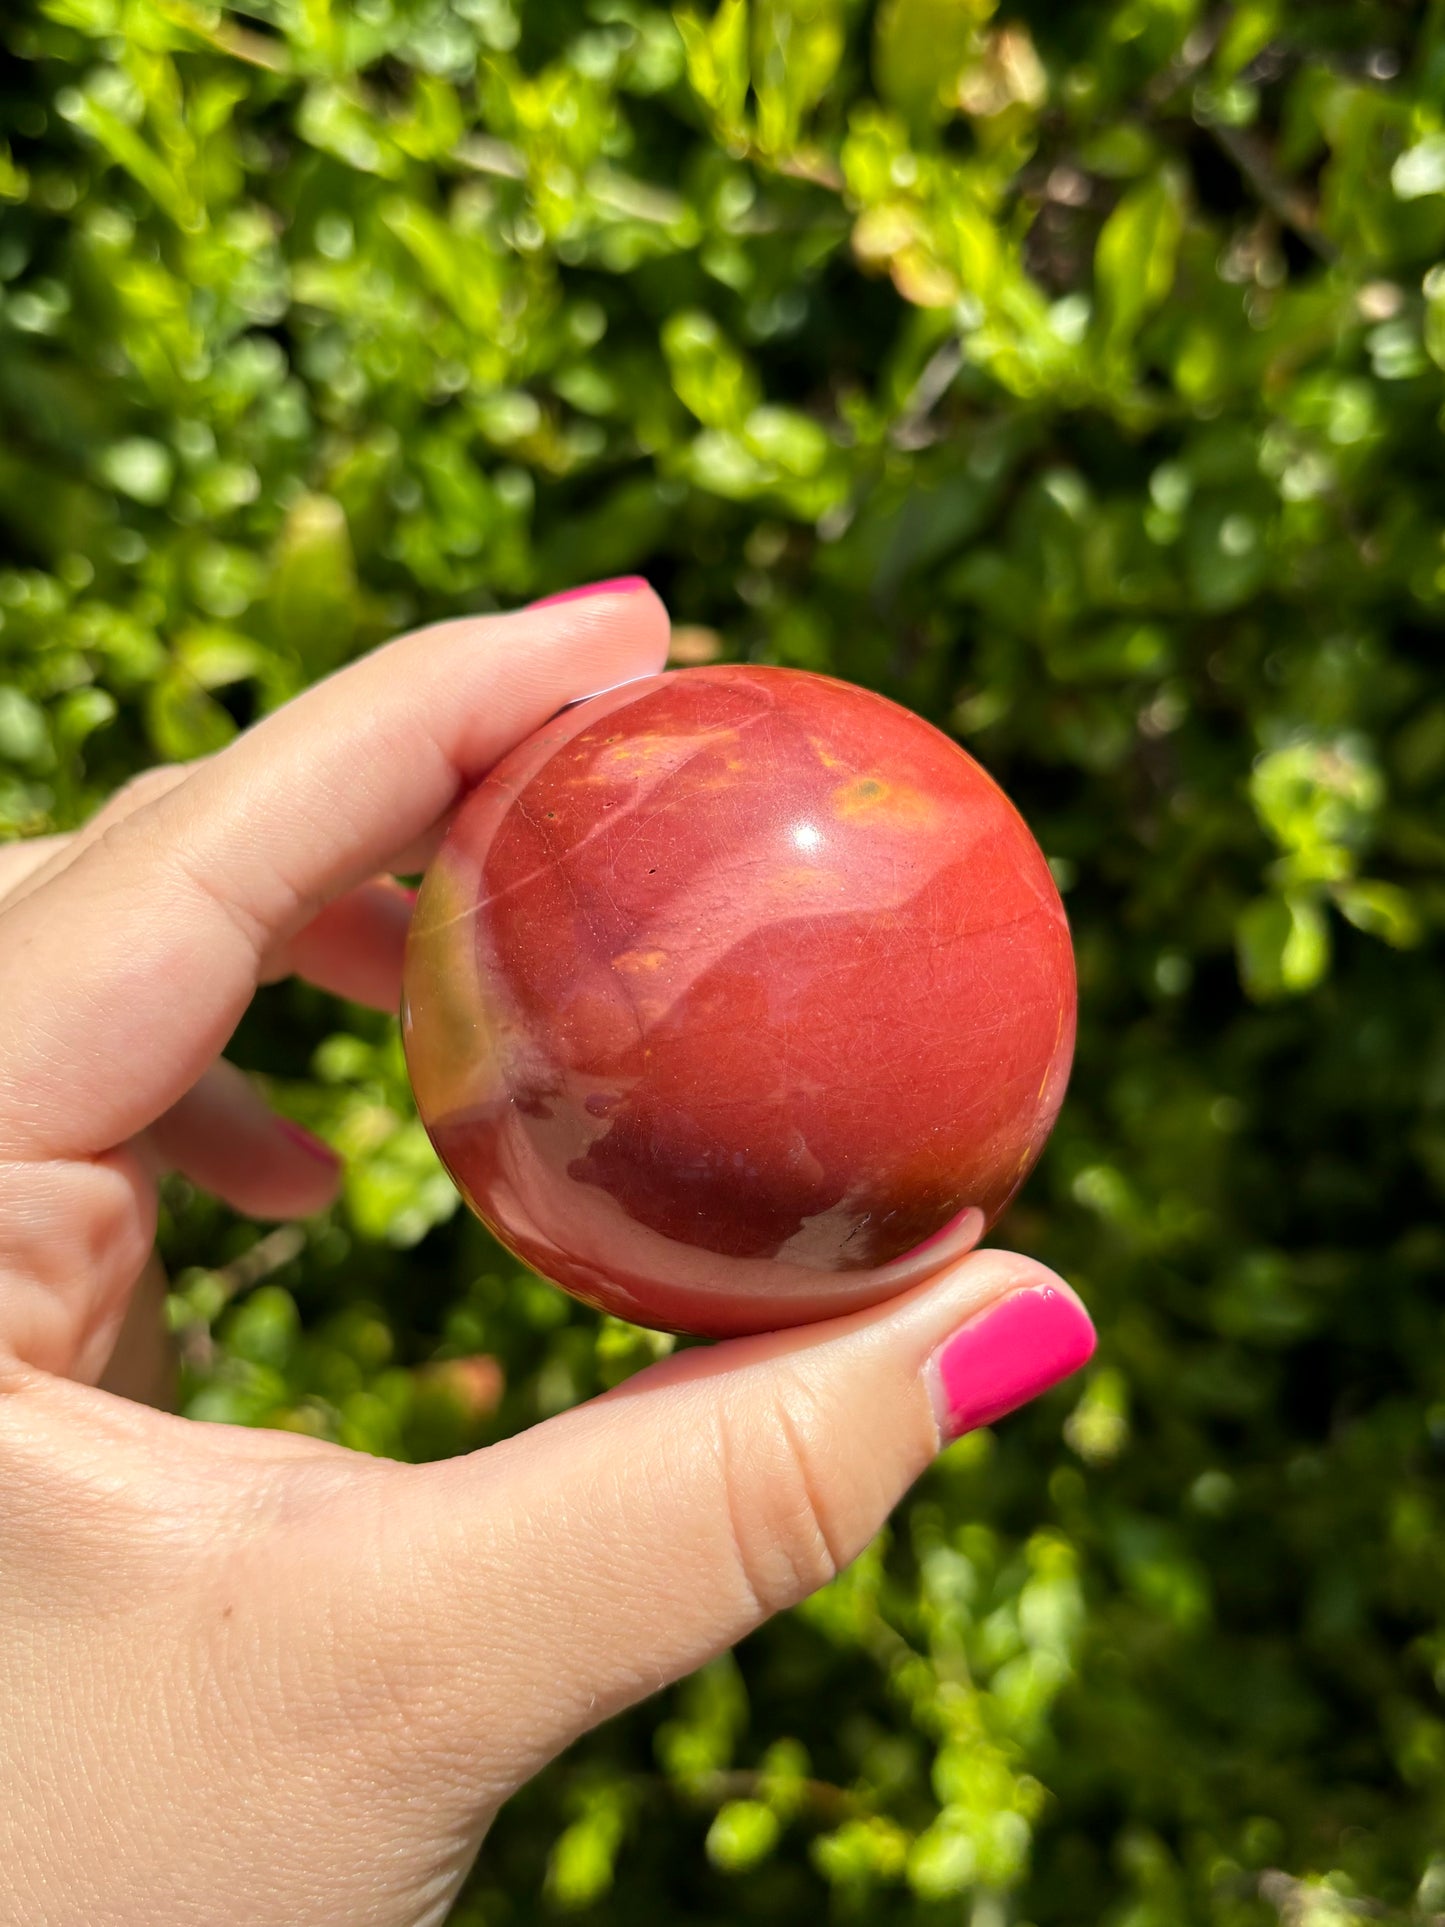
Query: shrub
pixel 1071 374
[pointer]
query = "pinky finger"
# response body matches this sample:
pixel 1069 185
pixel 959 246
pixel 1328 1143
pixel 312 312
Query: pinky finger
pixel 225 1138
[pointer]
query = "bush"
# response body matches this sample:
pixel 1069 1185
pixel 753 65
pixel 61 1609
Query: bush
pixel 1073 375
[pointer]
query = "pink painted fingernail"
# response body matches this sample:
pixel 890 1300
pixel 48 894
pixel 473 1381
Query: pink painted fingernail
pixel 617 585
pixel 307 1141
pixel 1011 1354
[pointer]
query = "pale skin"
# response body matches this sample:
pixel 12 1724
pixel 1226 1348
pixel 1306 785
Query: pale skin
pixel 247 1677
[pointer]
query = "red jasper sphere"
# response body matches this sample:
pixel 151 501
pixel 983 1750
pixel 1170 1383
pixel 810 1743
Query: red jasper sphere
pixel 738 997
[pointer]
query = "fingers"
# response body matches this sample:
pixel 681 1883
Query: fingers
pixel 143 1366
pixel 573 1570
pixel 354 946
pixel 44 857
pixel 74 1236
pixel 21 861
pixel 123 975
pixel 224 1137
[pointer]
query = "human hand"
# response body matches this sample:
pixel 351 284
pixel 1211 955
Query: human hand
pixel 250 1678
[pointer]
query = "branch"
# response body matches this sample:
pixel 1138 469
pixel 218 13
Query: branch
pixel 913 430
pixel 821 169
pixel 1287 203
pixel 268 1254
pixel 1195 53
pixel 485 154
pixel 830 1803
pixel 240 43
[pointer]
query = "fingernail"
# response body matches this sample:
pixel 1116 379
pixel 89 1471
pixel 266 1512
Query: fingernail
pixel 307 1141
pixel 1008 1356
pixel 617 585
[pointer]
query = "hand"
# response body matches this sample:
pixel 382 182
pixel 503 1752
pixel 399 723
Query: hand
pixel 250 1678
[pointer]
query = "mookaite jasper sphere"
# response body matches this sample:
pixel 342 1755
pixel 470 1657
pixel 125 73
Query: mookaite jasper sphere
pixel 738 997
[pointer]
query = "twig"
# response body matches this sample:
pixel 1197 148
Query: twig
pixel 829 1802
pixel 912 429
pixel 1288 204
pixel 486 155
pixel 639 200
pixel 256 49
pixel 1194 54
pixel 267 1255
pixel 818 168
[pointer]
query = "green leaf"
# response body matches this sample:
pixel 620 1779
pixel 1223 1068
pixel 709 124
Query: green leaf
pixel 265 1329
pixel 862 1853
pixel 140 468
pixel 1434 330
pixel 708 374
pixel 1135 258
pixel 182 720
pixel 1318 801
pixel 1420 170
pixel 14 181
pixel 335 120
pixel 919 50
pixel 580 1868
pixel 742 1835
pixel 1283 946
pixel 24 736
pixel 80 713
pixel 797 45
pixel 159 176
pixel 314 597
pixel 792 441
pixel 217 657
pixel 1381 909
pixel 1251 27
pixel 943 1861
pixel 718 66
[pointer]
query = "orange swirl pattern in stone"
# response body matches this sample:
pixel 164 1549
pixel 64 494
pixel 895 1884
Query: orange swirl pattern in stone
pixel 738 997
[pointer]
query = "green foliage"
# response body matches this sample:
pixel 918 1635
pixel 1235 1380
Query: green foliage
pixel 1073 374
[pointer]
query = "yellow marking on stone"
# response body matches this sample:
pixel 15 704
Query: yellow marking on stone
pixel 631 960
pixel 890 805
pixel 617 760
pixel 825 755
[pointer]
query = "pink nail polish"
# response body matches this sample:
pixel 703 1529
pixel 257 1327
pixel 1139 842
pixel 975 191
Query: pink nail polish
pixel 1008 1356
pixel 306 1141
pixel 617 585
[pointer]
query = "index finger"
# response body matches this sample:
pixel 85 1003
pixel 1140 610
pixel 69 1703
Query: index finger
pixel 123 976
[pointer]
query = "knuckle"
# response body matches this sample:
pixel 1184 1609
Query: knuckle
pixel 791 1520
pixel 140 790
pixel 73 1237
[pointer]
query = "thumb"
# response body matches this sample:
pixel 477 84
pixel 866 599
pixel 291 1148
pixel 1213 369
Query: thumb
pixel 583 1565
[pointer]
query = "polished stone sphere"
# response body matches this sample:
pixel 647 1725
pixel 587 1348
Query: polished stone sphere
pixel 738 997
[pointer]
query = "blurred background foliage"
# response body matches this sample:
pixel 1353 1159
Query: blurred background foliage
pixel 1073 374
